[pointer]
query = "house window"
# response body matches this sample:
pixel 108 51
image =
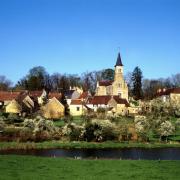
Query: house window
pixel 119 94
pixel 77 108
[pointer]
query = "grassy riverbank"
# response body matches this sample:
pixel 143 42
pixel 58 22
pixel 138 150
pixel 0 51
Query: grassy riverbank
pixel 29 167
pixel 60 144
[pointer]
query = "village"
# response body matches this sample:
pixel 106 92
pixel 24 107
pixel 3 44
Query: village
pixel 113 96
pixel 89 89
pixel 135 119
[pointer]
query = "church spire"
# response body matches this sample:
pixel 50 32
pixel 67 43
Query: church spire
pixel 119 62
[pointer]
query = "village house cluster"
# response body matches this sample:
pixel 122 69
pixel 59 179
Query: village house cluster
pixel 110 95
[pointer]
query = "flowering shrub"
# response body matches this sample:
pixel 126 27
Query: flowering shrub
pixel 38 129
pixel 142 127
pixel 175 108
pixel 161 108
pixel 166 129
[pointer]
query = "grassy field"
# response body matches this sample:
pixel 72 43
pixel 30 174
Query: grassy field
pixel 29 167
pixel 76 119
pixel 82 144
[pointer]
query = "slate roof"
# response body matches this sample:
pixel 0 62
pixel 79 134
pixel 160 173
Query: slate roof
pixel 119 61
pixel 68 93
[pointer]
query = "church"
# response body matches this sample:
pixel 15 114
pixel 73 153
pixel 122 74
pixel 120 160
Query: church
pixel 112 95
pixel 118 87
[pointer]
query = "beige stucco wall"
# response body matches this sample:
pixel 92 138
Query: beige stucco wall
pixel 118 108
pixel 101 91
pixel 175 97
pixel 74 111
pixel 121 109
pixel 112 103
pixel 53 109
pixel 120 87
pixel 13 107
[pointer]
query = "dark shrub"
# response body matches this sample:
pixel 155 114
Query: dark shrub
pixel 26 135
pixel 67 119
pixel 100 130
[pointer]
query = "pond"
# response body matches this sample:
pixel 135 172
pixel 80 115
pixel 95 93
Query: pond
pixel 123 153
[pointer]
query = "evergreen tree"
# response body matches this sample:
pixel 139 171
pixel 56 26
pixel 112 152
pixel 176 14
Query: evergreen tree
pixel 137 83
pixel 64 102
pixel 107 74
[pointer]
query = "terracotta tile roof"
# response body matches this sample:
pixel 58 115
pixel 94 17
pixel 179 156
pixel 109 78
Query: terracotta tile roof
pixel 121 100
pixel 176 90
pixel 99 100
pixel 166 92
pixel 8 96
pixel 76 102
pixel 32 94
pixel 105 83
pixel 105 99
pixel 35 93
pixel 57 95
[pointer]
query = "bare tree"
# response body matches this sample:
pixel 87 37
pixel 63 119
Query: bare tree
pixel 5 83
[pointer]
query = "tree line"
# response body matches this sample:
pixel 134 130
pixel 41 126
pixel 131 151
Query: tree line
pixel 38 78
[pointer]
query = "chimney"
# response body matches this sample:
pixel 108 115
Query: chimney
pixel 159 90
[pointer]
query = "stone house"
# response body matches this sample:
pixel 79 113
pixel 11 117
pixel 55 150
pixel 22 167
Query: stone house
pixel 171 94
pixel 71 94
pixel 13 107
pixel 53 109
pixel 113 104
pixel 29 101
pixel 78 106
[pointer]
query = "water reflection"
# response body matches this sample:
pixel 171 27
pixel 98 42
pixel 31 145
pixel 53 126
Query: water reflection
pixel 123 153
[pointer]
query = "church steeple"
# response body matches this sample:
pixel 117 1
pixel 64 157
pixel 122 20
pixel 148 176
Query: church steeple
pixel 119 62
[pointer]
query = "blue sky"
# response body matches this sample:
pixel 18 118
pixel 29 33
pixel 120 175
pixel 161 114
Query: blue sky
pixel 74 36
